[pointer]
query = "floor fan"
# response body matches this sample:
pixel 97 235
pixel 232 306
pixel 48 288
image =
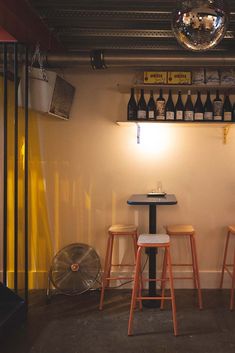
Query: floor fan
pixel 74 270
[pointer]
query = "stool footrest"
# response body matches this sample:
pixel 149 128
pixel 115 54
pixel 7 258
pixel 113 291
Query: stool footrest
pixel 115 278
pixel 153 279
pixel 167 278
pixel 152 298
pixel 119 265
pixel 181 264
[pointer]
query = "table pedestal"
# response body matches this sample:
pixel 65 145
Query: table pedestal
pixel 152 202
pixel 152 292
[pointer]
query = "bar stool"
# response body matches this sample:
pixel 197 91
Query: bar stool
pixel 188 231
pixel 152 241
pixel 226 266
pixel 116 231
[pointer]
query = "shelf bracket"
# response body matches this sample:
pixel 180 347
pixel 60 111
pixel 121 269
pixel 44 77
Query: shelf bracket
pixel 226 131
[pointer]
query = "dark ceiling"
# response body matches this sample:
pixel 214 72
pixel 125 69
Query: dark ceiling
pixel 84 25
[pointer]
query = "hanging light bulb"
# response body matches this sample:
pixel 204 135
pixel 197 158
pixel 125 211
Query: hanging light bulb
pixel 200 24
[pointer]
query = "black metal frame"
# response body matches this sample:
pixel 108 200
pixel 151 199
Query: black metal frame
pixel 26 183
pixel 16 168
pixel 16 315
pixel 5 163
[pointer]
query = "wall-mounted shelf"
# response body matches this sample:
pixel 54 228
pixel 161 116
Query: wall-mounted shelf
pixel 175 122
pixel 225 125
pixel 183 88
pixel 203 88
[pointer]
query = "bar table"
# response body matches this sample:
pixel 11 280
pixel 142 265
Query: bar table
pixel 152 202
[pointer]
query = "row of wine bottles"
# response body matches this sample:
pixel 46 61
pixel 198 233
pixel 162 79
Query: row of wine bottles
pixel 162 109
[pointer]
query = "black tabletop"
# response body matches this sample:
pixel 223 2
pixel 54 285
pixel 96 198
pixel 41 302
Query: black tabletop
pixel 143 199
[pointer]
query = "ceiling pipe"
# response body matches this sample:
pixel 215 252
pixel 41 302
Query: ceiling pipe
pixel 148 60
pixel 101 60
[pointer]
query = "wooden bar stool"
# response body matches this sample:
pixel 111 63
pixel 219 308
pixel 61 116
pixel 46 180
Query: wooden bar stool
pixel 152 241
pixel 227 266
pixel 116 231
pixel 188 231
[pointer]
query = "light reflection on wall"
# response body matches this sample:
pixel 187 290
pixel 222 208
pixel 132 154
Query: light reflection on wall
pixel 154 138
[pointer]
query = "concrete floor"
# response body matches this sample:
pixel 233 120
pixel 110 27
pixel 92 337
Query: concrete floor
pixel 75 325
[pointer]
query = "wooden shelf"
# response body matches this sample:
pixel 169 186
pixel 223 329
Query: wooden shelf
pixel 175 88
pixel 226 125
pixel 178 122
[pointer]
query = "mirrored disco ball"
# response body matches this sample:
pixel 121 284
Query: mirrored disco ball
pixel 200 24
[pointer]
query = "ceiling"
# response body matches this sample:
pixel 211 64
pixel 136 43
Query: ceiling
pixel 123 25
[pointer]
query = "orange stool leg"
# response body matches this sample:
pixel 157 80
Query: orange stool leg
pixel 196 270
pixel 233 284
pixel 134 290
pixel 110 258
pixel 163 279
pixel 168 263
pixel 135 240
pixel 107 266
pixel 224 260
pixel 193 263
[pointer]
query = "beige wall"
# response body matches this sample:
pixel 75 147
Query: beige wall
pixel 90 166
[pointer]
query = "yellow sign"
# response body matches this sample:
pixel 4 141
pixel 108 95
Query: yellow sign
pixel 179 78
pixel 155 77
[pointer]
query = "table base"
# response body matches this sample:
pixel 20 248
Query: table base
pixel 151 303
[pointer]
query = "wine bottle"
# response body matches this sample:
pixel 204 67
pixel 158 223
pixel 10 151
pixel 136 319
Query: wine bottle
pixel 179 108
pixel 141 107
pixel 208 108
pixel 132 107
pixel 189 112
pixel 198 108
pixel 170 109
pixel 233 114
pixel 151 108
pixel 217 107
pixel 160 106
pixel 227 109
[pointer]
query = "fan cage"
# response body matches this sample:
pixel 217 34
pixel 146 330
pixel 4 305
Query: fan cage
pixel 75 269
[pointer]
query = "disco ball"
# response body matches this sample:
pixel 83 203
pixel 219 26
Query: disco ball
pixel 200 24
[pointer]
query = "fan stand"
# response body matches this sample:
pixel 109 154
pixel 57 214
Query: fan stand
pixel 52 291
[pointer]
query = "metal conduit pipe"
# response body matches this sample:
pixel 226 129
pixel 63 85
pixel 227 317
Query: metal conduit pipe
pixel 136 60
pixel 101 60
pixel 67 61
pixel 169 61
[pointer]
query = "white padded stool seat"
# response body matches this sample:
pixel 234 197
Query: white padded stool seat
pixel 153 239
pixel 122 228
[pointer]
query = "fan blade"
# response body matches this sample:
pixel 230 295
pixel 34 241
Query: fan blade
pixel 60 265
pixel 82 257
pixel 64 257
